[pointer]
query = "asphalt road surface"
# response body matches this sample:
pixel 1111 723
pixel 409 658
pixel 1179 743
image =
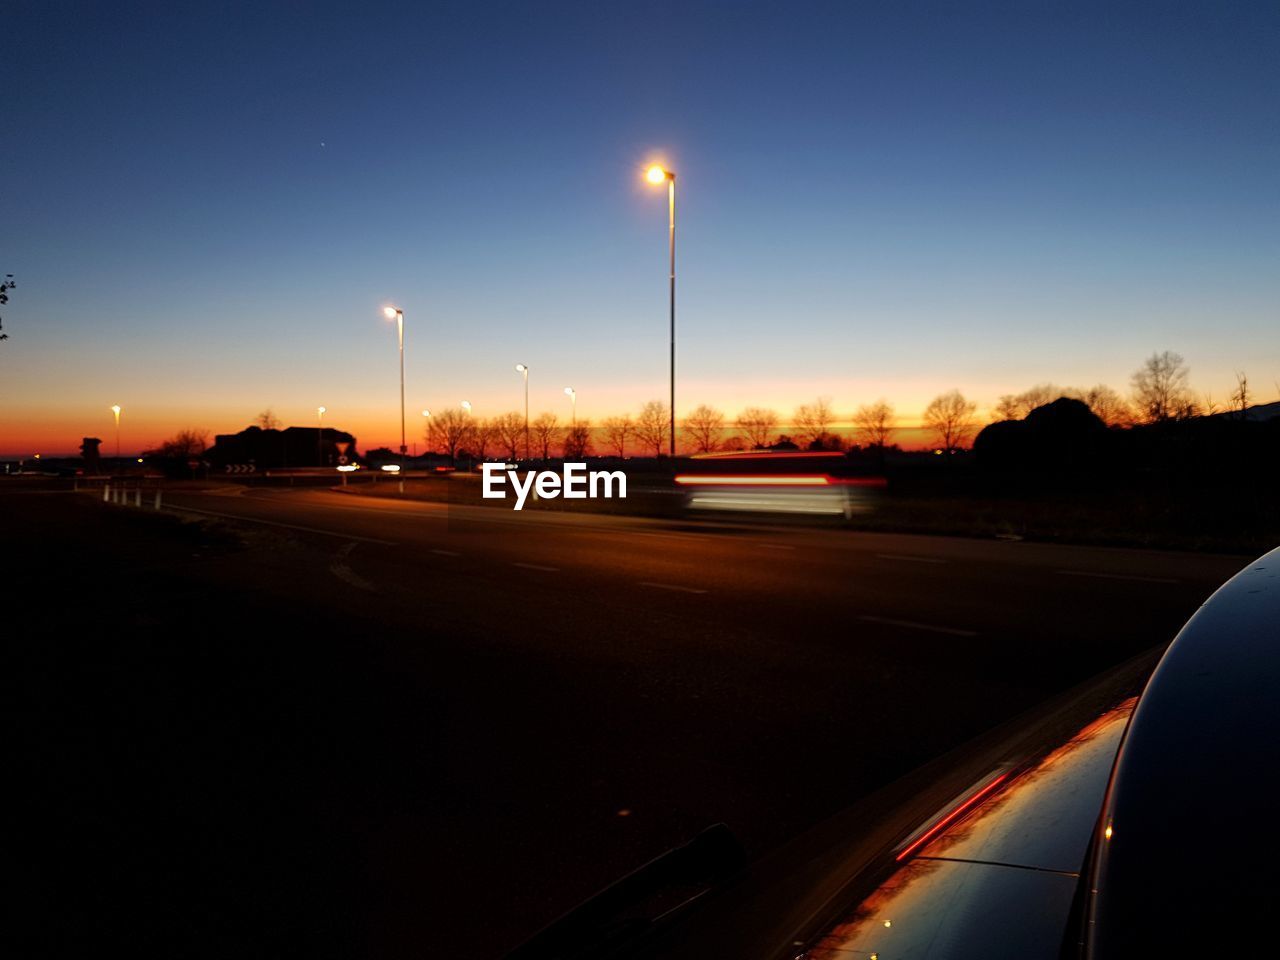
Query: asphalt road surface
pixel 498 713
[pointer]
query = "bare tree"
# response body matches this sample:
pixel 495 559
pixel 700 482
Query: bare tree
pixel 873 424
pixel 758 425
pixel 508 430
pixel 267 420
pixel 1013 406
pixel 950 417
pixel 1210 405
pixel 183 445
pixel 480 435
pixel 813 422
pixel 577 440
pixel 1240 399
pixel 1008 407
pixel 1108 406
pixel 652 425
pixel 703 426
pixel 1160 390
pixel 447 431
pixel 616 432
pixel 5 287
pixel 545 429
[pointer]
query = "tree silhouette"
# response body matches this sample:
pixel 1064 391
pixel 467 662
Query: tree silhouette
pixel 480 433
pixel 508 429
pixel 813 423
pixel 703 426
pixel 873 424
pixel 5 287
pixel 616 432
pixel 757 425
pixel 1108 406
pixel 577 440
pixel 1160 389
pixel 448 431
pixel 652 425
pixel 544 430
pixel 1240 399
pixel 267 420
pixel 950 418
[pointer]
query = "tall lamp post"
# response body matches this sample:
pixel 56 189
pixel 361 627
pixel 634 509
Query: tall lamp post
pixel 572 394
pixel 524 368
pixel 655 175
pixel 426 450
pixel 396 314
pixel 320 434
pixel 115 408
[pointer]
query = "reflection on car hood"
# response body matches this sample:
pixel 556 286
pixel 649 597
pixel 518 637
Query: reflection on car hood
pixel 998 865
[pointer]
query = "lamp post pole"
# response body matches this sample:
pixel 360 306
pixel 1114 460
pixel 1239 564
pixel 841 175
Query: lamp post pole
pixel 396 314
pixel 116 410
pixel 524 368
pixel 320 435
pixel 655 175
pixel 572 394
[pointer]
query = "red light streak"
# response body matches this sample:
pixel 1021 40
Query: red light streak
pixel 951 817
pixel 777 480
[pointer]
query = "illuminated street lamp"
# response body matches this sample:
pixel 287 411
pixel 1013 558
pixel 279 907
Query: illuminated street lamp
pixel 319 434
pixel 466 405
pixel 656 175
pixel 572 394
pixel 115 408
pixel 396 314
pixel 524 368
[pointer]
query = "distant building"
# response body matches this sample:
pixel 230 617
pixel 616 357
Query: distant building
pixel 276 449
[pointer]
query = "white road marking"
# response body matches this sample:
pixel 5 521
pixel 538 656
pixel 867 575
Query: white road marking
pixel 277 523
pixel 912 625
pixel 535 566
pixel 1115 576
pixel 910 559
pixel 446 553
pixel 670 586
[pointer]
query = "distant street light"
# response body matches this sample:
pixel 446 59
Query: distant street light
pixel 572 394
pixel 466 405
pixel 656 175
pixel 115 408
pixel 320 434
pixel 396 314
pixel 524 368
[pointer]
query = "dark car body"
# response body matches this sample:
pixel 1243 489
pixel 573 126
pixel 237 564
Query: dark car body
pixel 1129 817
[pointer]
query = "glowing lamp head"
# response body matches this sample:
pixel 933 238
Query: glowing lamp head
pixel 466 405
pixel 322 409
pixel 426 413
pixel 521 368
pixel 656 174
pixel 569 391
pixel 390 312
pixel 116 409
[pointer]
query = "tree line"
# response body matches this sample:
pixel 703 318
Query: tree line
pixel 1159 391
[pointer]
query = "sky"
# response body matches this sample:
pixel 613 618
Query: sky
pixel 206 206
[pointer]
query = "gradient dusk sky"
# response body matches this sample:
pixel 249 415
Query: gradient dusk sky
pixel 206 205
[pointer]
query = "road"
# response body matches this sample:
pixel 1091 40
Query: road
pixel 530 704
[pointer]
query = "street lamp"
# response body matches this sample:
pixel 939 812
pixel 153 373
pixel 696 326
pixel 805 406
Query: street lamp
pixel 320 434
pixel 572 394
pixel 396 314
pixel 115 408
pixel 656 175
pixel 524 368
pixel 466 405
